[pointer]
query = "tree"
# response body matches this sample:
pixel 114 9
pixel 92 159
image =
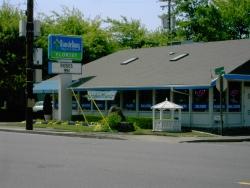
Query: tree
pixel 200 20
pixel 236 16
pixel 96 41
pixel 128 34
pixel 12 49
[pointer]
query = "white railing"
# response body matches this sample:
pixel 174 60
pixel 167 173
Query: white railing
pixel 170 125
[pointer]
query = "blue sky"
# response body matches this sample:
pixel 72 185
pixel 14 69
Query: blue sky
pixel 147 11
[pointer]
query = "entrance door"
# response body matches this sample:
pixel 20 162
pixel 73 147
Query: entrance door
pixel 247 106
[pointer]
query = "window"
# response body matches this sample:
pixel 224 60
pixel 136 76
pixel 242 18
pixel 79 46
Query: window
pixel 181 97
pixel 234 98
pixel 100 105
pixel 145 100
pixel 129 100
pixel 217 101
pixel 85 103
pixel 115 102
pixel 200 100
pixel 161 95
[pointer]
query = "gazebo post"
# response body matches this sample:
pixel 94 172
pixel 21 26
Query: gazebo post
pixel 153 119
pixel 160 114
pixel 172 113
pixel 179 115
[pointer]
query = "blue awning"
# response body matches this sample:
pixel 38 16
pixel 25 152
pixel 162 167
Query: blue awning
pixel 47 86
pixel 240 77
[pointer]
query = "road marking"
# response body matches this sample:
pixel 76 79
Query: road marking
pixel 244 183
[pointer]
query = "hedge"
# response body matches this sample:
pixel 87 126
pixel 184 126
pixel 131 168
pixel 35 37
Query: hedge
pixel 142 122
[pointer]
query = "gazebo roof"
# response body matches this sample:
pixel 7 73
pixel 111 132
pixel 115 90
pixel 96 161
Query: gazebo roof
pixel 166 105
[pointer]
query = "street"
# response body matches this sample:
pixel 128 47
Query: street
pixel 39 161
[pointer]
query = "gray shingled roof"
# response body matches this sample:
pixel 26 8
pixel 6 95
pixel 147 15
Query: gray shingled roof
pixel 153 67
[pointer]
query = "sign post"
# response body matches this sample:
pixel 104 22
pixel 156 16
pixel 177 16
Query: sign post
pixel 66 54
pixel 220 71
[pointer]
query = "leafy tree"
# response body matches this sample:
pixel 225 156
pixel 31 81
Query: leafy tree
pixel 236 16
pixel 200 20
pixel 12 49
pixel 96 41
pixel 128 34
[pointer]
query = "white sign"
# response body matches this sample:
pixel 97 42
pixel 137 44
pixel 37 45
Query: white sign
pixel 224 84
pixel 64 68
pixel 102 95
pixel 38 56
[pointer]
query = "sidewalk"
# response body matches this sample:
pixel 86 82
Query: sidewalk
pixel 17 128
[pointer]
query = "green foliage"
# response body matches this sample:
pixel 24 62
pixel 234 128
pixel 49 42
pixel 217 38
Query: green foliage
pixel 90 118
pixel 236 17
pixel 141 122
pixel 12 49
pixel 113 120
pixel 101 128
pixel 96 41
pixel 211 20
pixel 131 34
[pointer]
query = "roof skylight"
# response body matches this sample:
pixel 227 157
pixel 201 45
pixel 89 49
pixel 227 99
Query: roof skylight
pixel 129 61
pixel 179 57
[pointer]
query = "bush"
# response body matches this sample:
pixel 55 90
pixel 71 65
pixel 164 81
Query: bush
pixel 101 128
pixel 90 118
pixel 113 120
pixel 125 127
pixel 141 122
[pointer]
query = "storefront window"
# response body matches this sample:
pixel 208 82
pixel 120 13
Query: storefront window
pixel 145 100
pixel 217 101
pixel 200 100
pixel 181 97
pixel 129 100
pixel 161 95
pixel 100 105
pixel 85 103
pixel 234 98
pixel 115 102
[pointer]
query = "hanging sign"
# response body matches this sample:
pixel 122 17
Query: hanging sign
pixel 101 95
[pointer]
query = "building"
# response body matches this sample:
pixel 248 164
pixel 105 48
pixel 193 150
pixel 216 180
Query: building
pixel 183 73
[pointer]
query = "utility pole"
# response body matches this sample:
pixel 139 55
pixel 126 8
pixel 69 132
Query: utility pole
pixel 29 64
pixel 168 20
pixel 169 16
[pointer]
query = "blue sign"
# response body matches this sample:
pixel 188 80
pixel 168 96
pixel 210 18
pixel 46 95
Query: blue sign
pixel 65 47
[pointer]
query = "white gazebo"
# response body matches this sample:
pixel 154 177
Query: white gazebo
pixel 171 124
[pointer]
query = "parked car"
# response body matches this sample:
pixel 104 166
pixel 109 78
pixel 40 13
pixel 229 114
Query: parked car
pixel 38 106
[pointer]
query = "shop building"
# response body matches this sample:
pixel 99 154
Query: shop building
pixel 183 73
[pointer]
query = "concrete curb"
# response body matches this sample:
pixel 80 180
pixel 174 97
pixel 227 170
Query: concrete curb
pixel 111 136
pixel 218 140
pixel 66 134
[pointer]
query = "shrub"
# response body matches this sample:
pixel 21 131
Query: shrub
pixel 101 128
pixel 141 122
pixel 113 120
pixel 90 118
pixel 125 127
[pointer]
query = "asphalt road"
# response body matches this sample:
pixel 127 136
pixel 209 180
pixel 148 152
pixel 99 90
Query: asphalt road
pixel 38 161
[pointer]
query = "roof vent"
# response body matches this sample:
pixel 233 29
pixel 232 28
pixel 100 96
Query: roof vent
pixel 179 57
pixel 171 53
pixel 129 61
